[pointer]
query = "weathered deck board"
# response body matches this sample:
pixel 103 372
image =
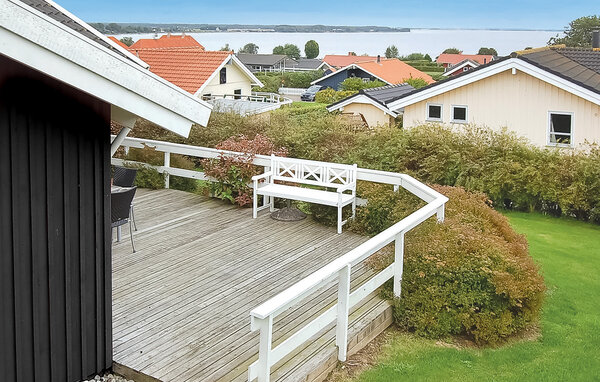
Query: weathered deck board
pixel 181 303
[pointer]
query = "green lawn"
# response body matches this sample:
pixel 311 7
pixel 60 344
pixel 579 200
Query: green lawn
pixel 569 347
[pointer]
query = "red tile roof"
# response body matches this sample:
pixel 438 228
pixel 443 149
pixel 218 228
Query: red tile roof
pixel 187 68
pixel 453 59
pixel 167 41
pixel 340 61
pixel 394 71
pixel 118 42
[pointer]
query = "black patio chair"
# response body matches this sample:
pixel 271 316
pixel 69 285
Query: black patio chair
pixel 125 177
pixel 120 208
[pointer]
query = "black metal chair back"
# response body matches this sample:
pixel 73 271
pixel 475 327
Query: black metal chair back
pixel 124 177
pixel 120 209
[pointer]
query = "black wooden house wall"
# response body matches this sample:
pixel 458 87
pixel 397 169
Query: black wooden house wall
pixel 55 266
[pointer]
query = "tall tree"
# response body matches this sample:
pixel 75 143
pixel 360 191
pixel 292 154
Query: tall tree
pixel 127 41
pixel 311 49
pixel 578 33
pixel 249 48
pixel 289 50
pixel 452 51
pixel 391 52
pixel 225 48
pixel 489 51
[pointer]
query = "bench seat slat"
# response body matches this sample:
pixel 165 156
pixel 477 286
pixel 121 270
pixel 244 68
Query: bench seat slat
pixel 304 194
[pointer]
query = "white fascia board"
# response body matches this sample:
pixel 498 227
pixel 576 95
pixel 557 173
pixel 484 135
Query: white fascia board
pixel 99 35
pixel 37 41
pixel 236 61
pixel 351 66
pixel 323 63
pixel 512 63
pixel 458 67
pixel 361 98
pixel 240 64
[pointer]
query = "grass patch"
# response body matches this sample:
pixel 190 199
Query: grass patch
pixel 569 255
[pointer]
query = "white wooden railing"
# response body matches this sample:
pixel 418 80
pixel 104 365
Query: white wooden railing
pixel 254 97
pixel 262 317
pixel 291 91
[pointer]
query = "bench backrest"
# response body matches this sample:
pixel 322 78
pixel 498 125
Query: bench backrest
pixel 315 173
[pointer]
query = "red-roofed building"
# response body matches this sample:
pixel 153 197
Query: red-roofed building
pixel 118 42
pixel 340 61
pixel 167 41
pixel 447 60
pixel 198 71
pixel 392 71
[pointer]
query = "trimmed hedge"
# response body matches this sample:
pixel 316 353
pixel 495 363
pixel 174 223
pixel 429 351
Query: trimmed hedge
pixel 470 276
pixel 511 171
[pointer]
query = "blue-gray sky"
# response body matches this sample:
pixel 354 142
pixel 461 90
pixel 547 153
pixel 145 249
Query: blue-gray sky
pixel 521 14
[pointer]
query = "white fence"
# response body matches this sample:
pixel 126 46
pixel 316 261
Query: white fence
pixel 262 317
pixel 254 97
pixel 291 91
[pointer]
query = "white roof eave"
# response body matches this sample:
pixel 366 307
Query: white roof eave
pixel 38 41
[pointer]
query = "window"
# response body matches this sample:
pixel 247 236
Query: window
pixel 560 131
pixel 434 112
pixel 223 76
pixel 237 94
pixel 459 114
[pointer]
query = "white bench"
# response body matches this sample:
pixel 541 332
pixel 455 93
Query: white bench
pixel 341 177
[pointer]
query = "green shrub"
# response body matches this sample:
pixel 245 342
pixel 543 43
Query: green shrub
pixel 273 81
pixel 330 96
pixel 471 275
pixel 356 83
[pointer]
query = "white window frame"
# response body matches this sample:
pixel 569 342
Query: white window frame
pixel 440 119
pixel 466 120
pixel 571 135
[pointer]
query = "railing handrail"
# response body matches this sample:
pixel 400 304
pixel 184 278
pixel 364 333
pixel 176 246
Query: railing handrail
pixel 279 303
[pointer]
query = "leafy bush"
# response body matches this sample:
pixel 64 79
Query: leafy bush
pixel 233 173
pixel 273 81
pixel 330 96
pixel 512 172
pixel 471 275
pixel 416 83
pixel 357 83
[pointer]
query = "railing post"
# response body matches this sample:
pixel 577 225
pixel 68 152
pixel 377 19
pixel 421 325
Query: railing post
pixel 398 263
pixel 440 214
pixel 265 325
pixel 167 163
pixel 343 309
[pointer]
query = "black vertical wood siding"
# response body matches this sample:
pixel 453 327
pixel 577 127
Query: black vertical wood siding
pixel 55 266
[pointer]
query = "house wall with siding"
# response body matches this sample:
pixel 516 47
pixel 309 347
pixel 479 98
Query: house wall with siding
pixel 519 102
pixel 374 116
pixel 236 79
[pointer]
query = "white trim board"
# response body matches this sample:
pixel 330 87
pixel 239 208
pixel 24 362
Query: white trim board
pixel 236 61
pixel 363 99
pixel 482 73
pixel 351 66
pixel 454 69
pixel 36 40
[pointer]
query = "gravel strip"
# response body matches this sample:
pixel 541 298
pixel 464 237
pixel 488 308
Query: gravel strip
pixel 108 377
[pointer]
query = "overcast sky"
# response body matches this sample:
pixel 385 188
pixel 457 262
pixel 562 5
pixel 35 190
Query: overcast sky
pixel 522 14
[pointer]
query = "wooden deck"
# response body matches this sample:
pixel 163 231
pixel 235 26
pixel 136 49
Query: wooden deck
pixel 181 303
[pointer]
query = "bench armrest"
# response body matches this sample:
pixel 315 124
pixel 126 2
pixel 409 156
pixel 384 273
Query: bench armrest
pixel 262 176
pixel 346 187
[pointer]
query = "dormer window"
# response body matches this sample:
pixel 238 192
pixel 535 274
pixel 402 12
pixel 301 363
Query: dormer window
pixel 223 75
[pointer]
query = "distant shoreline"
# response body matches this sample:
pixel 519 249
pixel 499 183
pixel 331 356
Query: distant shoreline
pixel 141 28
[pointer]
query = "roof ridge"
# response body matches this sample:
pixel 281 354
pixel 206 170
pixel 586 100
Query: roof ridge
pixel 540 49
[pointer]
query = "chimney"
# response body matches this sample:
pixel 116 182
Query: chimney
pixel 596 39
pixel 378 58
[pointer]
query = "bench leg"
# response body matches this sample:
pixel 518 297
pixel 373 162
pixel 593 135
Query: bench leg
pixel 353 208
pixel 272 203
pixel 254 204
pixel 339 225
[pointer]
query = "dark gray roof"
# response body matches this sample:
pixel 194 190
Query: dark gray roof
pixel 383 94
pixel 261 59
pixel 578 65
pixel 49 10
pixel 308 63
